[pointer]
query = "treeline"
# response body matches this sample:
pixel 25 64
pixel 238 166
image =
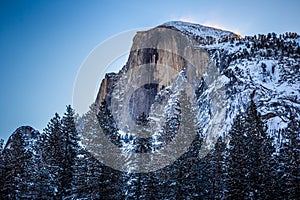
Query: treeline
pixel 270 46
pixel 243 165
pixel 249 166
pixel 41 166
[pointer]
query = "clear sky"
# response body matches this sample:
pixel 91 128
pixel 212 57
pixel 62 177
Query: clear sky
pixel 43 43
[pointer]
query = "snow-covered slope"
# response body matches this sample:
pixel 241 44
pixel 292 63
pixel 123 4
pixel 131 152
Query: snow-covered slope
pixel 264 69
pixel 203 34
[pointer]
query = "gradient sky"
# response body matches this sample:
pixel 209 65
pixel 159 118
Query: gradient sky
pixel 43 43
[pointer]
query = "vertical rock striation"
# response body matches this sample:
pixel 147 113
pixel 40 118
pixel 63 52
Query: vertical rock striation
pixel 156 58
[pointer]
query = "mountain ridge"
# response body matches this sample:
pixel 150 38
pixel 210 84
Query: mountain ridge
pixel 198 30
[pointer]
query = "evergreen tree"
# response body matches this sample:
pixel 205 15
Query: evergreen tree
pixel 142 119
pixel 17 161
pixel 186 180
pixel 91 175
pixel 111 180
pixel 250 161
pixel 2 166
pixel 91 131
pixel 289 161
pixel 1 146
pixel 1 162
pixel 53 145
pixel 42 178
pixel 108 124
pixel 87 177
pixel 70 149
pixel 60 147
pixel 214 172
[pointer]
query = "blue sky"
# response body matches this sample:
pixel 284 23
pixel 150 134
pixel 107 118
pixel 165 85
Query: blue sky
pixel 43 43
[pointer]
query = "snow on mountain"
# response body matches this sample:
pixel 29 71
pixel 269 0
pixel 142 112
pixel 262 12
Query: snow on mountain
pixel 263 68
pixel 203 34
pixel 260 69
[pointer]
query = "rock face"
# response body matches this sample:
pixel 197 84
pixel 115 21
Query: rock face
pixel 156 58
pixel 225 71
pixel 106 88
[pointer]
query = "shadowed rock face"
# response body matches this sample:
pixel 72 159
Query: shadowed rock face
pixel 142 99
pixel 156 57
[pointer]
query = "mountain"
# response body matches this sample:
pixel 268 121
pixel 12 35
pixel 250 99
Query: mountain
pixel 195 113
pixel 161 46
pixel 225 71
pixel 156 59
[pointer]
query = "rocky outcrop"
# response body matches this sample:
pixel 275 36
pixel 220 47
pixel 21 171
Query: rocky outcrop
pixel 106 88
pixel 156 58
pixel 202 34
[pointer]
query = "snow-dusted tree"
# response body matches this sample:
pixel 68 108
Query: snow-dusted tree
pixel 250 163
pixel 213 172
pixel 60 147
pixel 18 172
pixel 1 163
pixel 91 175
pixel 91 130
pixel 289 161
pixel 87 177
pixel 53 145
pixel 70 149
pixel 1 146
pixel 43 188
pixel 186 180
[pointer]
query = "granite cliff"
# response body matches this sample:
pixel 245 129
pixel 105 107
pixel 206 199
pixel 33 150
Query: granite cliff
pixel 156 58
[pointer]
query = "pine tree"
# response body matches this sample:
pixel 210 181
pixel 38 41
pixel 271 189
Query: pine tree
pixel 91 131
pixel 53 144
pixel 60 149
pixel 250 161
pixel 1 146
pixel 1 162
pixel 17 165
pixel 108 124
pixel 142 119
pixel 42 177
pixel 87 177
pixel 186 180
pixel 2 166
pixel 289 161
pixel 214 172
pixel 91 175
pixel 70 149
pixel 111 180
